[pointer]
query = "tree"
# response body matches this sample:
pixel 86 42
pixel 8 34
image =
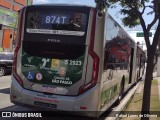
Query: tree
pixel 133 11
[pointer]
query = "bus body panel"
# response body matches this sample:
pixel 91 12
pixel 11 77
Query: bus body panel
pixel 99 50
pixel 66 68
pixel 134 74
pixel 118 74
pixel 33 99
pixel 35 70
pixel 111 76
pixel 32 92
pixel 140 62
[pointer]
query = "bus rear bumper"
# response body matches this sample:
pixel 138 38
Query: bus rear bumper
pixel 84 104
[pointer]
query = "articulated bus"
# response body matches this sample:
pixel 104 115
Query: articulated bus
pixel 72 58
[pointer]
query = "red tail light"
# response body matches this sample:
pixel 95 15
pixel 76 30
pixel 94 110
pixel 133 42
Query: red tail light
pixel 17 49
pixel 94 79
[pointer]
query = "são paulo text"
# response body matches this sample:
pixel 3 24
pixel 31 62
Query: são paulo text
pixel 61 80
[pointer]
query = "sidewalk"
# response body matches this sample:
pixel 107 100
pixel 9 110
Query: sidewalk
pixel 159 86
pixel 158 79
pixel 135 104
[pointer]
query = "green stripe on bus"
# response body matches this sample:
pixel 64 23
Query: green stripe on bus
pixel 109 93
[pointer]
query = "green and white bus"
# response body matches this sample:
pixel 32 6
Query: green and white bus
pixel 71 58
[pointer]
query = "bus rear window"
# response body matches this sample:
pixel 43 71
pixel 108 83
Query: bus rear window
pixel 56 22
pixel 58 51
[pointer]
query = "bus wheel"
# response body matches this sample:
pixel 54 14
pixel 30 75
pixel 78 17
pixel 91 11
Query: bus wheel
pixel 121 91
pixel 137 78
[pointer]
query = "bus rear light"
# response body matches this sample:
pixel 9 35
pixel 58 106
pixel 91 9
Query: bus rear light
pixel 94 77
pixel 14 97
pixel 17 77
pixel 95 67
pixel 83 108
pixel 19 80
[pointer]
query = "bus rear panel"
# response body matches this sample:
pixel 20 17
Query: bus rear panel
pixel 53 51
pixel 72 58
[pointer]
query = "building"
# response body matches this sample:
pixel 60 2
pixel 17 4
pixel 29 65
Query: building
pixel 8 22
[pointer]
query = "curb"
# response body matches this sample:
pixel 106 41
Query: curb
pixel 123 103
pixel 159 87
pixel 4 88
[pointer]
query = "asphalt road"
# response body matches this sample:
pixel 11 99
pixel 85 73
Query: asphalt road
pixel 4 92
pixel 5 104
pixel 5 82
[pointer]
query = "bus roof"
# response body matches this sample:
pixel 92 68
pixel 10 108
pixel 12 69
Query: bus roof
pixel 63 5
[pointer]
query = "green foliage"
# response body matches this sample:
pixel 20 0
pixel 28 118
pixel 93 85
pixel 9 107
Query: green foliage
pixel 131 19
pixel 101 4
pixel 131 9
pixel 131 3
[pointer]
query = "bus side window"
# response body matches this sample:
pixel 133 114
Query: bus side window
pixel 143 60
pixel 109 61
pixel 106 59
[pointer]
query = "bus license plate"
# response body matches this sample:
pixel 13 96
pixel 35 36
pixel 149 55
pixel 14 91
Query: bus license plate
pixel 49 89
pixel 45 104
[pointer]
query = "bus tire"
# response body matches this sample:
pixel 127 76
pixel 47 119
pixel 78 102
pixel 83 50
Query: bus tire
pixel 137 78
pixel 121 91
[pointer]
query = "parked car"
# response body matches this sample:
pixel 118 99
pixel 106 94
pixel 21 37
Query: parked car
pixel 6 62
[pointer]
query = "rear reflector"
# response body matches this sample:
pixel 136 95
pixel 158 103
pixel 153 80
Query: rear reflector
pixel 19 80
pixel 94 77
pixel 14 97
pixel 83 108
